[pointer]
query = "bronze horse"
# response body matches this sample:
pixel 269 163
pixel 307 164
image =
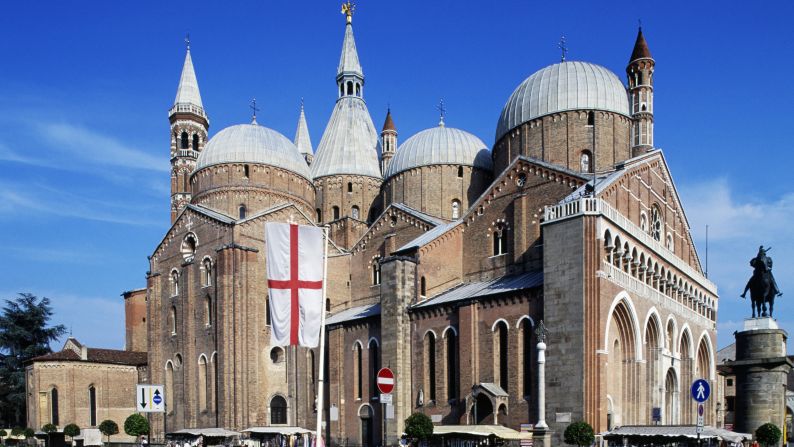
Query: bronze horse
pixel 762 286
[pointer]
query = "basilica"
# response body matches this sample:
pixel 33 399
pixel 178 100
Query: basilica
pixel 445 257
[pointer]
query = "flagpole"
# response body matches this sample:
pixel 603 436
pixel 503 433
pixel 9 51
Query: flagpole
pixel 321 372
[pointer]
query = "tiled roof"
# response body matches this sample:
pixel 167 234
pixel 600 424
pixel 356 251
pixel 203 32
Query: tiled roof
pixel 353 313
pixel 641 50
pixel 97 355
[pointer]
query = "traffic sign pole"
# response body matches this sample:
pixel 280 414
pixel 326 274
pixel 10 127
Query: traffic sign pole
pixel 700 391
pixel 385 381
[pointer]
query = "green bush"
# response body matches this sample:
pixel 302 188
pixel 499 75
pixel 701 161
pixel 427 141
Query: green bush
pixel 136 425
pixel 418 427
pixel 109 428
pixel 28 433
pixel 17 431
pixel 49 428
pixel 579 433
pixel 768 434
pixel 71 431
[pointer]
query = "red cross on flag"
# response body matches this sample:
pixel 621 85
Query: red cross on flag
pixel 295 282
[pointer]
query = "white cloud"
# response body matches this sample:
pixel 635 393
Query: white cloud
pixel 736 228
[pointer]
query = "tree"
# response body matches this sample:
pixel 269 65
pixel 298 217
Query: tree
pixel 768 434
pixel 579 433
pixel 418 427
pixel 71 431
pixel 28 433
pixel 24 334
pixel 109 428
pixel 136 425
pixel 49 428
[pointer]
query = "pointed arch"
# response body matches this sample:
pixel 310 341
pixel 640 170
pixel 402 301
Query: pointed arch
pixel 653 318
pixel 624 298
pixel 705 357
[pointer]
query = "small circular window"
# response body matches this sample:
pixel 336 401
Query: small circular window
pixel 188 248
pixel 277 355
pixel 521 180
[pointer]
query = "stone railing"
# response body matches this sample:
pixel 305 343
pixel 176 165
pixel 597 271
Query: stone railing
pixel 659 299
pixel 594 207
pixel 187 108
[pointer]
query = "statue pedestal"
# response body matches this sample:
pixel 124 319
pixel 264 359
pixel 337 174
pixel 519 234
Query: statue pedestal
pixel 761 369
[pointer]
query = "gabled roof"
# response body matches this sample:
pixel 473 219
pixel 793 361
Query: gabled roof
pixel 96 355
pixel 429 236
pixel 405 209
pixel 188 90
pixel 502 284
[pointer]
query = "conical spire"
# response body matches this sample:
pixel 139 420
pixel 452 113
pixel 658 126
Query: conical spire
pixel 389 123
pixel 641 50
pixel 348 62
pixel 188 90
pixel 302 140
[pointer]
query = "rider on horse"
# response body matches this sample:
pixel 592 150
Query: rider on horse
pixel 762 263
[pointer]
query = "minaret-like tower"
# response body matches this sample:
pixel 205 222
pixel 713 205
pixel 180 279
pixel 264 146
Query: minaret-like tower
pixel 189 126
pixel 640 76
pixel 388 142
pixel 302 140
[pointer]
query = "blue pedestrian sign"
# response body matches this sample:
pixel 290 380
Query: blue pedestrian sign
pixel 700 390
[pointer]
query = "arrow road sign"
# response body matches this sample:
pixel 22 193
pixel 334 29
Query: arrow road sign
pixel 149 399
pixel 700 390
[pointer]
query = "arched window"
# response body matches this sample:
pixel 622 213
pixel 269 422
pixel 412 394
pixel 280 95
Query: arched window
pixel 328 304
pixel 349 87
pixel 242 210
pixel 174 283
pixel 656 222
pixel 341 90
pixel 501 350
pixel 195 142
pixel 172 320
pixel 430 365
pixel 455 209
pixel 207 311
pixel 526 354
pixel 278 411
pixel 267 311
pixel 207 272
pixel 54 417
pixel 202 383
pixel 92 406
pixel 188 247
pixel 669 242
pixel 169 387
pixel 586 162
pixel 460 171
pixel 376 271
pixel 367 433
pixel 349 186
pixel 422 287
pixel 184 143
pixel 354 212
pixel 359 363
pixel 590 118
pixel 499 243
pixel 374 367
pixel 452 365
pixel 358 89
pixel 643 221
pixel 319 215
pixel 335 210
pixel 246 171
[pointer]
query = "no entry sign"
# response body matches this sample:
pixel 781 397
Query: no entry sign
pixel 385 380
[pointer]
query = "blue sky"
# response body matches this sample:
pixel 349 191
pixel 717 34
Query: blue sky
pixel 84 94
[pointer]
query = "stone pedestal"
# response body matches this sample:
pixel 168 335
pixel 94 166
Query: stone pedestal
pixel 761 369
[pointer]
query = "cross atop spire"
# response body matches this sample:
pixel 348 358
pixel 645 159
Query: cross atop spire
pixel 348 8
pixel 442 112
pixel 255 109
pixel 563 48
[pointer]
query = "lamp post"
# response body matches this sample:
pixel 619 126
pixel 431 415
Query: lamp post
pixel 541 333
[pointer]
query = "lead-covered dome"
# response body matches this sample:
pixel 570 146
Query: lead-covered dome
pixel 561 87
pixel 252 143
pixel 440 146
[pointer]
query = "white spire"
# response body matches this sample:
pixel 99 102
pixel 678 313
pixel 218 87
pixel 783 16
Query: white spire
pixel 302 140
pixel 348 62
pixel 188 90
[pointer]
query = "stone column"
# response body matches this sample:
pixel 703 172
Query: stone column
pixel 761 368
pixel 541 434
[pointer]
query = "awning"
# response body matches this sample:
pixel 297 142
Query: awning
pixel 278 430
pixel 480 430
pixel 675 431
pixel 208 432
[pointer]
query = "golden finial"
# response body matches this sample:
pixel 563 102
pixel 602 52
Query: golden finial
pixel 347 9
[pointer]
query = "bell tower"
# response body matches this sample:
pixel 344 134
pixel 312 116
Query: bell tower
pixel 388 142
pixel 640 77
pixel 189 124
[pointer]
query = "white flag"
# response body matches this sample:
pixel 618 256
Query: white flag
pixel 294 279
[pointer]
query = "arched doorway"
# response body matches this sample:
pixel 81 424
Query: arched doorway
pixel 483 409
pixel 367 433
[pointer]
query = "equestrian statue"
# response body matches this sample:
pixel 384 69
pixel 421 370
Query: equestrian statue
pixel 762 286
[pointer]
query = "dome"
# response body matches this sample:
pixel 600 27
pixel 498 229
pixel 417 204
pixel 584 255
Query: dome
pixel 252 143
pixel 561 87
pixel 440 146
